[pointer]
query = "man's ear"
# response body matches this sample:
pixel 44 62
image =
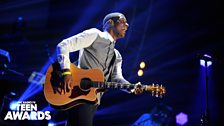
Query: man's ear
pixel 111 22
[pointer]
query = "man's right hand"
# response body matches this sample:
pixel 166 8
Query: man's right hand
pixel 66 84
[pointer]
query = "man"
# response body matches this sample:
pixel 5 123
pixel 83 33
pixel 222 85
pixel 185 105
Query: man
pixel 96 50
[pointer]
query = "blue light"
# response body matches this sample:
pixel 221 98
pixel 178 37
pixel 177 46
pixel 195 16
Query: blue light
pixel 51 123
pixel 206 58
pixel 13 93
pixel 146 120
pixel 13 105
pixel 5 54
pixel 20 18
pixel 33 87
pixel 181 118
pixel 37 77
pixel 202 62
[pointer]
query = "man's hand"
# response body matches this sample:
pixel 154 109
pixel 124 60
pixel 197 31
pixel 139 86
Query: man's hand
pixel 66 84
pixel 138 89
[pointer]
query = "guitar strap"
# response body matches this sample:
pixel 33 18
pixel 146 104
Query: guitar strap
pixel 108 73
pixel 110 67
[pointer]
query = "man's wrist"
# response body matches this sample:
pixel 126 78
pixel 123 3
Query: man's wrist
pixel 66 72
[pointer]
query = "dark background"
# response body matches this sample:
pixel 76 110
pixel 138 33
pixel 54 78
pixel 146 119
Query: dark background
pixel 169 36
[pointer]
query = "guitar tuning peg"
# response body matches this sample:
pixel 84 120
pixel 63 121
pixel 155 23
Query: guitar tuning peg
pixel 157 93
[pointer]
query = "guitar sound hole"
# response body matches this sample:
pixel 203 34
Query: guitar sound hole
pixel 85 84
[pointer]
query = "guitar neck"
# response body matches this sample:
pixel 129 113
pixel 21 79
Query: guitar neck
pixel 154 89
pixel 112 85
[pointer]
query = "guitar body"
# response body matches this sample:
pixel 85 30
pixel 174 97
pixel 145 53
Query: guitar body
pixel 77 95
pixel 84 88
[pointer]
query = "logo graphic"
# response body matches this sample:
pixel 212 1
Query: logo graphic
pixel 26 110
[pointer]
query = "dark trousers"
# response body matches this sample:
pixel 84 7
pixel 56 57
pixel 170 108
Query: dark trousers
pixel 81 115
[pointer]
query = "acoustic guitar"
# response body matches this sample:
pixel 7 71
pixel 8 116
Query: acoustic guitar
pixel 85 85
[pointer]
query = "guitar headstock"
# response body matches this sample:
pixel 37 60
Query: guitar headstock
pixel 156 90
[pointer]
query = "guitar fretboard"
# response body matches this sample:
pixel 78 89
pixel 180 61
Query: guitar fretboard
pixel 113 85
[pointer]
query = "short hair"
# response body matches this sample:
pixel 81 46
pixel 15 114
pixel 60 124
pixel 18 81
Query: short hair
pixel 113 16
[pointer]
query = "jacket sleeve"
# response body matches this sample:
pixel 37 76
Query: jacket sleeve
pixel 74 43
pixel 116 75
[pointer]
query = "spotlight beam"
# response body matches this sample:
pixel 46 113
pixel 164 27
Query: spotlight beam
pixel 35 88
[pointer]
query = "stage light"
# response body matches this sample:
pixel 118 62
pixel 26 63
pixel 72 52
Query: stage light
pixel 181 118
pixel 142 65
pixel 202 62
pixel 61 122
pixel 13 105
pixel 6 56
pixel 36 81
pixel 51 124
pixel 12 93
pixel 140 72
pixel 206 59
pixel 5 59
pixel 37 78
pixel 20 18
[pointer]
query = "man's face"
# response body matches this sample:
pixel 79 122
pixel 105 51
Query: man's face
pixel 121 27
